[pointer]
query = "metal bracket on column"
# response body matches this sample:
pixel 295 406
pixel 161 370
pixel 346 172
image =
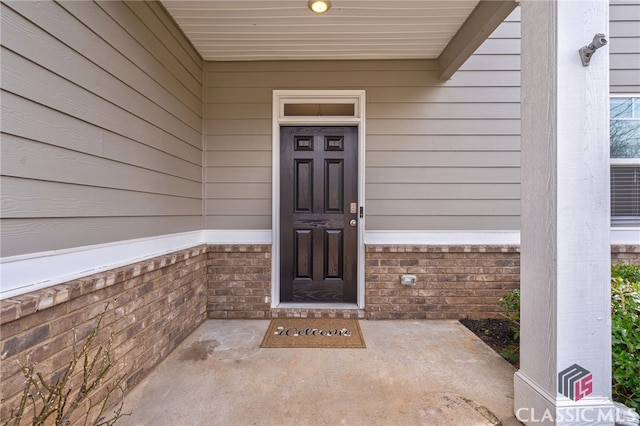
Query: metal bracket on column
pixel 587 51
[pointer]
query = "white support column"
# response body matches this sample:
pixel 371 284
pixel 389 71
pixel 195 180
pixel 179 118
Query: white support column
pixel 565 238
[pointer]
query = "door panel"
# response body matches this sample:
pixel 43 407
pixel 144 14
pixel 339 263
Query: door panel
pixel 319 182
pixel 334 184
pixel 304 182
pixel 304 256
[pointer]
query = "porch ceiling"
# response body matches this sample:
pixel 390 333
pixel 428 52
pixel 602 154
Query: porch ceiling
pixel 254 30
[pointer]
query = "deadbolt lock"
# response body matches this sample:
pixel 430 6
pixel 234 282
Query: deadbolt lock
pixel 353 208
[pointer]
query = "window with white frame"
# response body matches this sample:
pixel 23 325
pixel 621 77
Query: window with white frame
pixel 624 134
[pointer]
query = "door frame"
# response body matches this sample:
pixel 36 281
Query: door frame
pixel 356 98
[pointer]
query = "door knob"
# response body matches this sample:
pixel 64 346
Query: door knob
pixel 352 222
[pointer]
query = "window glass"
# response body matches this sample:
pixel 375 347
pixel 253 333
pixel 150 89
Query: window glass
pixel 624 127
pixel 625 160
pixel 335 110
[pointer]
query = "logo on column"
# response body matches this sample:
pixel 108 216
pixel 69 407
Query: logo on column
pixel 575 382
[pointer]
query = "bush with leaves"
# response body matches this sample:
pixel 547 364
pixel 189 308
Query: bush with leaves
pixel 53 401
pixel 511 305
pixel 625 334
pixel 627 272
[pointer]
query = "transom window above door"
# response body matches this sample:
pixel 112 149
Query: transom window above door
pixel 319 109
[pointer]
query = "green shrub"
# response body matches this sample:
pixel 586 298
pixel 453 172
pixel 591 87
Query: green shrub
pixel 625 334
pixel 627 272
pixel 510 302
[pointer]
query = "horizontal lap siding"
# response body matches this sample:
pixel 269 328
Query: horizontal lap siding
pixel 440 154
pixel 238 145
pixel 624 46
pixel 101 125
pixel 447 156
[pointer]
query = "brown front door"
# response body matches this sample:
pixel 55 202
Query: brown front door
pixel 318 214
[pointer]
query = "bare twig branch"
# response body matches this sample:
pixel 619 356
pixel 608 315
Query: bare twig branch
pixel 58 398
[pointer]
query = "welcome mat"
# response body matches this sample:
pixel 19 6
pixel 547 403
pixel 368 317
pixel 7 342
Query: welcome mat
pixel 313 333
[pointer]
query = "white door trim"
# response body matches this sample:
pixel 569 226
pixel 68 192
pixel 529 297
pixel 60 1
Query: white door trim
pixel 280 98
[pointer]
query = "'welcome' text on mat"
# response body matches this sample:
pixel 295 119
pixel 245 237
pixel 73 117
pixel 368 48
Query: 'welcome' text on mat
pixel 313 333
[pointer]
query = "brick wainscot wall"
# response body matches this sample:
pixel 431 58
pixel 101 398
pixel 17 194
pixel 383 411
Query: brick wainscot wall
pixel 239 281
pixel 625 254
pixel 154 304
pixel 452 282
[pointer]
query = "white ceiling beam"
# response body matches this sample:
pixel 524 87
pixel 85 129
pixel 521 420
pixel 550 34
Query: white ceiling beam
pixel 484 19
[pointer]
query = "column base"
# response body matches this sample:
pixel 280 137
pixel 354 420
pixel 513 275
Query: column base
pixel 533 405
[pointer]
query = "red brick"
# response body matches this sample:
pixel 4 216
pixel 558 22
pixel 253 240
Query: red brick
pixel 137 296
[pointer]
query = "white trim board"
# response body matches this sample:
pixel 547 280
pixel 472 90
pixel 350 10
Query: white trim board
pixel 625 236
pixel 26 273
pixel 237 236
pixel 443 237
pixel 619 236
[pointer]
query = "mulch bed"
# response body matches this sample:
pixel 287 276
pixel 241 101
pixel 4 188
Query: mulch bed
pixel 494 332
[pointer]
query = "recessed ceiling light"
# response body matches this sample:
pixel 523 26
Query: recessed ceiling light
pixel 319 6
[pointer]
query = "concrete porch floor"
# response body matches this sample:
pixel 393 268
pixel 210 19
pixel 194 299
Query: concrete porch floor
pixel 411 373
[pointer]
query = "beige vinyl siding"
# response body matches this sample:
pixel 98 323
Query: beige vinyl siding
pixel 101 125
pixel 624 46
pixel 238 159
pixel 102 118
pixel 445 156
pixel 440 154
